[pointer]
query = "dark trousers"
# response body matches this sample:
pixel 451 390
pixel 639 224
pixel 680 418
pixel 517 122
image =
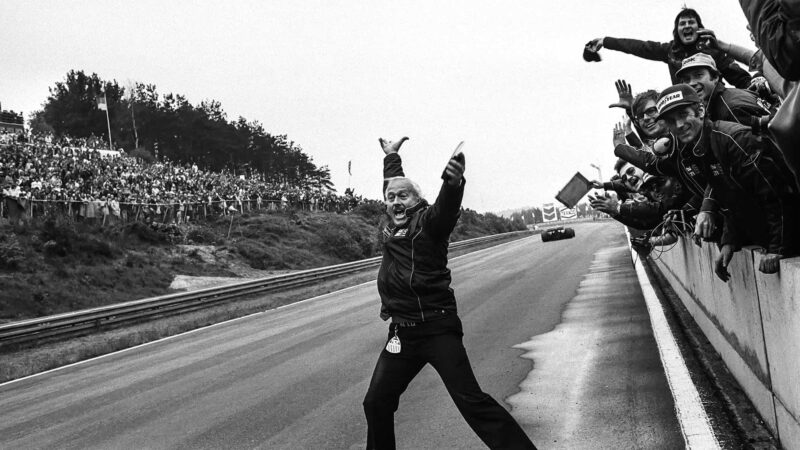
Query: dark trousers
pixel 446 353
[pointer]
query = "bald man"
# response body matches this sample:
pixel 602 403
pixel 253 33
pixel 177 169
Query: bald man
pixel 414 286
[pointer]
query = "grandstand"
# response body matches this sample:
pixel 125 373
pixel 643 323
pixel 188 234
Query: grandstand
pixel 11 122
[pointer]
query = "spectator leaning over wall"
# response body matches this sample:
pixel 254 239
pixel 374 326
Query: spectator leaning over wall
pixel 683 45
pixel 732 105
pixel 747 177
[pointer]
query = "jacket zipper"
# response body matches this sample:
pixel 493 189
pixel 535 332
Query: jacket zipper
pixel 411 277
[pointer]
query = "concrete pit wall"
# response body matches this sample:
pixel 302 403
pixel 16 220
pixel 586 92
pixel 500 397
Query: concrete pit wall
pixel 753 321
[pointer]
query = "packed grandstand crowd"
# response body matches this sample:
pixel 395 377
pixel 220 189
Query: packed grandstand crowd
pixel 43 175
pixel 712 157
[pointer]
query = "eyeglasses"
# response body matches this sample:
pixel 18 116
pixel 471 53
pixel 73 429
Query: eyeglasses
pixel 649 112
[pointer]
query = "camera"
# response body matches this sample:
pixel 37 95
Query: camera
pixel 703 43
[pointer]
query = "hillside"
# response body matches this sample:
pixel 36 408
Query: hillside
pixel 54 266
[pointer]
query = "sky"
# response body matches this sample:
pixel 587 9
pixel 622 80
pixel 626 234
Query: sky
pixel 334 76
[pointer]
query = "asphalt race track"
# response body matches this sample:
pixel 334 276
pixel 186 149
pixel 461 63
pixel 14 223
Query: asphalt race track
pixel 557 332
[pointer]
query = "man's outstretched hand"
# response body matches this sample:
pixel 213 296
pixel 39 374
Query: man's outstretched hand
pixel 605 203
pixel 625 95
pixel 391 147
pixel 454 171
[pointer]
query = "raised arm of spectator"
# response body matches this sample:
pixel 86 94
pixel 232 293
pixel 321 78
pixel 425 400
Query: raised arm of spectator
pixel 446 210
pixel 754 59
pixel 644 160
pixel 775 26
pixel 392 163
pixel 655 51
pixel 732 72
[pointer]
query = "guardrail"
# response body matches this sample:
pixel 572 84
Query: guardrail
pixel 81 322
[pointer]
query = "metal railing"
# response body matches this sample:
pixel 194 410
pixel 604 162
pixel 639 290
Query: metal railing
pixel 84 321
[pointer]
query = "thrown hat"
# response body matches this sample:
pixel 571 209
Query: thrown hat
pixel 590 55
pixel 674 97
pixel 698 60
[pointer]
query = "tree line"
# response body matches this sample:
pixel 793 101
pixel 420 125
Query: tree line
pixel 149 124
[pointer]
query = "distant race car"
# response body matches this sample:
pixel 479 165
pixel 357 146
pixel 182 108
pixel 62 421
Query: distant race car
pixel 554 234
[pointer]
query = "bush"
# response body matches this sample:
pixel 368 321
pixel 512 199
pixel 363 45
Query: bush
pixel 257 254
pixel 11 254
pixel 57 238
pixel 371 210
pixel 340 243
pixel 145 233
pixel 201 236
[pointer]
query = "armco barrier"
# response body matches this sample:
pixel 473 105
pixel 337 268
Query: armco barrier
pixel 81 322
pixel 753 321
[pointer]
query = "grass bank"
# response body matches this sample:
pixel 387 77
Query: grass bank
pixel 52 267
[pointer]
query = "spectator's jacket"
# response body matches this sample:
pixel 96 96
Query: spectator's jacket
pixel 678 165
pixel 643 215
pixel 647 213
pixel 414 281
pixel 674 54
pixel 776 34
pixel 744 177
pixel 748 177
pixel 740 106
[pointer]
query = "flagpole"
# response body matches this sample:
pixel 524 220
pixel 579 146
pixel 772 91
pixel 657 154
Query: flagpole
pixel 108 121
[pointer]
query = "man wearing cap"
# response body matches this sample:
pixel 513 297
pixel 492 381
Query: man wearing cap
pixel 684 44
pixel 747 180
pixel 733 105
pixel 642 203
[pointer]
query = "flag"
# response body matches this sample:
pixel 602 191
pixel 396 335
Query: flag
pixel 101 103
pixel 349 166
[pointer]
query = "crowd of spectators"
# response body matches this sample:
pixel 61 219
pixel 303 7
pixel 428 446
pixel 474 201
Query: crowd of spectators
pixel 80 178
pixel 705 161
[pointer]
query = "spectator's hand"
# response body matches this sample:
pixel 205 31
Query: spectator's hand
pixel 604 204
pixel 760 86
pixel 706 39
pixel 596 184
pixel 619 134
pixel 722 261
pixel 625 95
pixel 642 245
pixel 626 125
pixel 705 225
pixel 455 170
pixel 595 44
pixel 770 263
pixel 391 147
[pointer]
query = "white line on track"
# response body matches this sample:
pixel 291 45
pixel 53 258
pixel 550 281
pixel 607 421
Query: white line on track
pixel 476 252
pixel 692 416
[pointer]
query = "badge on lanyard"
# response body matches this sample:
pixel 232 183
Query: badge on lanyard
pixel 393 346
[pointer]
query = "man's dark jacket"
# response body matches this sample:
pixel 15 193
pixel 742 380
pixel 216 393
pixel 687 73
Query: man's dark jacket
pixel 744 176
pixel 673 55
pixel 414 281
pixel 738 105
